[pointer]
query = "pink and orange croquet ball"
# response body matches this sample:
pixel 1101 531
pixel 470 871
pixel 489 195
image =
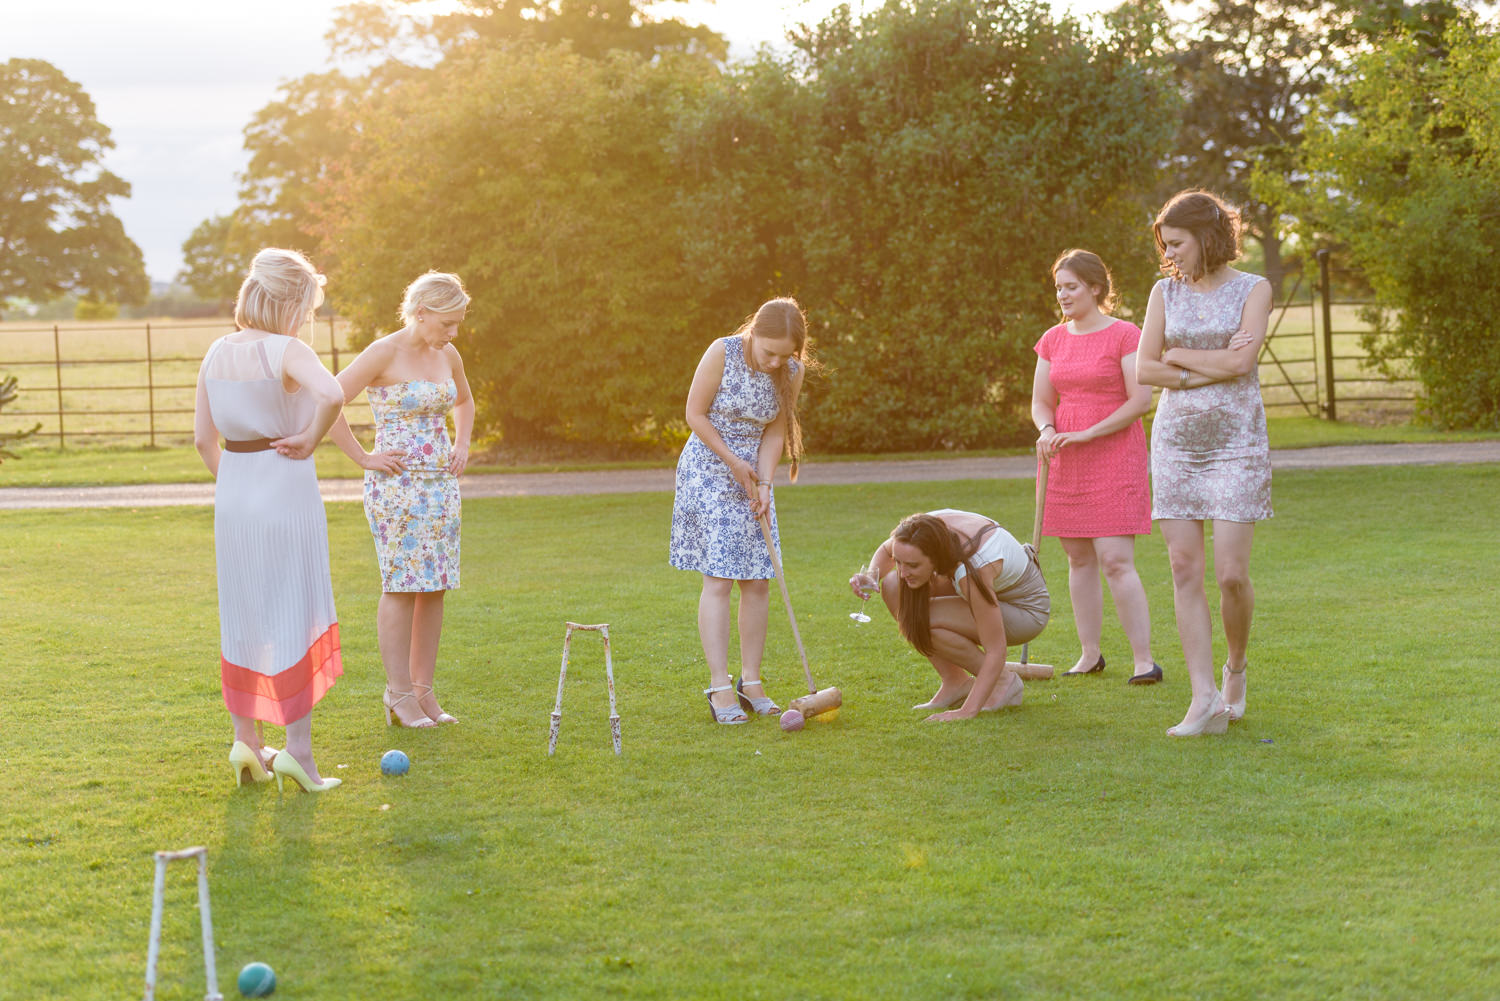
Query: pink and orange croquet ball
pixel 792 720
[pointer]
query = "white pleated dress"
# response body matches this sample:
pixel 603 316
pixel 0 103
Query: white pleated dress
pixel 278 632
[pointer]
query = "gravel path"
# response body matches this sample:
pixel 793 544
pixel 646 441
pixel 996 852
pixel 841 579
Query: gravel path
pixel 660 480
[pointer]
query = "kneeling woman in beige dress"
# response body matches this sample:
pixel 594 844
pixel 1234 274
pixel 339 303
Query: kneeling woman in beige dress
pixel 961 588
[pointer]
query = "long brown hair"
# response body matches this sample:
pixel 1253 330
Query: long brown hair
pixel 782 319
pixel 946 549
pixel 1213 224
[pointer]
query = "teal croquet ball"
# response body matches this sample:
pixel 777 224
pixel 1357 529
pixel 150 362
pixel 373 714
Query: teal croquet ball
pixel 257 980
pixel 395 763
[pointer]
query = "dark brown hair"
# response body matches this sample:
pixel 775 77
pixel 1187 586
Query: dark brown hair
pixel 1213 224
pixel 782 319
pixel 946 549
pixel 1090 269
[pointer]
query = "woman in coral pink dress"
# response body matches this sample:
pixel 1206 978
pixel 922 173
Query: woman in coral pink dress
pixel 1088 406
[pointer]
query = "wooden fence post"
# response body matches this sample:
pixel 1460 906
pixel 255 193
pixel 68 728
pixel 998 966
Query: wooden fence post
pixel 57 367
pixel 150 389
pixel 1331 408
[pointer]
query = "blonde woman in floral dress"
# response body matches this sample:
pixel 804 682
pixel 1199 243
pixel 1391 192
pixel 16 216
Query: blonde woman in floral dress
pixel 413 378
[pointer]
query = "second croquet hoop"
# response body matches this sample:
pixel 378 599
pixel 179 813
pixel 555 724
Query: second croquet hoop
pixel 765 532
pixel 205 919
pixel 562 677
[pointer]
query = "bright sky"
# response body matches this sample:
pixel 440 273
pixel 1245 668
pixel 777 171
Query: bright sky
pixel 177 80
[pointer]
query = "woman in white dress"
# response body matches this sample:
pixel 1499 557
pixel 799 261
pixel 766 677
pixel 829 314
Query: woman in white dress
pixel 268 394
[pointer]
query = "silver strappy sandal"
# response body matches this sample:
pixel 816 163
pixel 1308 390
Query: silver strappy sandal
pixel 729 715
pixel 762 706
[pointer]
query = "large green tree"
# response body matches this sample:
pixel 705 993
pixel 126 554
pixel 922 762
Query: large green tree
pixel 541 177
pixel 293 140
pixel 911 175
pixel 1402 166
pixel 1249 73
pixel 58 233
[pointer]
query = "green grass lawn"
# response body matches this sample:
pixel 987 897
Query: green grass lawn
pixel 1338 843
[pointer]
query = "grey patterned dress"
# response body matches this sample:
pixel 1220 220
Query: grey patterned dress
pixel 1210 459
pixel 713 531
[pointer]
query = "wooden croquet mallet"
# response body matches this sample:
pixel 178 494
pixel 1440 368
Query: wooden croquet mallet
pixel 1025 669
pixel 815 701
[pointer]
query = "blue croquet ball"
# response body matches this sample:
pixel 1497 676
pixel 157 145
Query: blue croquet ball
pixel 395 763
pixel 257 980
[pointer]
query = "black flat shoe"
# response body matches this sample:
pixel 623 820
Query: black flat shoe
pixel 1098 668
pixel 1151 677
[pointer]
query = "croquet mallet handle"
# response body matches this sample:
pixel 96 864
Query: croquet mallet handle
pixel 1042 465
pixel 765 533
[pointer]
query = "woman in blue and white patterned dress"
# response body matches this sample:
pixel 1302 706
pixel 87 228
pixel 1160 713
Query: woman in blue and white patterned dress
pixel 742 412
pixel 1210 458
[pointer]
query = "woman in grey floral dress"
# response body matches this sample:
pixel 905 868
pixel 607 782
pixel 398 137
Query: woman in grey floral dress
pixel 742 412
pixel 1210 461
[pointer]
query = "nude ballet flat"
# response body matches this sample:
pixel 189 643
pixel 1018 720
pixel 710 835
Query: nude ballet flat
pixel 935 704
pixel 1013 696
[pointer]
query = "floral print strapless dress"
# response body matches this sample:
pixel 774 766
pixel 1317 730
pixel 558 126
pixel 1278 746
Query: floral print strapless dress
pixel 415 515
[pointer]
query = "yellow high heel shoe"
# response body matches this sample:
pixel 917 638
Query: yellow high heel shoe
pixel 425 692
pixel 285 766
pixel 393 715
pixel 248 767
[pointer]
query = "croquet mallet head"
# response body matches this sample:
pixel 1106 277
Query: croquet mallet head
pixel 820 701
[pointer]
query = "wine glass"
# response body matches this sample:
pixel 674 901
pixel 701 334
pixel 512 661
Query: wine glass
pixel 864 571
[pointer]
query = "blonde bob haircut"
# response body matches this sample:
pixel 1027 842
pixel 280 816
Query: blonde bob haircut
pixel 436 292
pixel 279 293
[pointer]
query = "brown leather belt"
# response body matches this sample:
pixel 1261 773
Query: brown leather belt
pixel 253 445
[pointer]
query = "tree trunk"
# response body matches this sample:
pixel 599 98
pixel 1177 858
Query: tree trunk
pixel 1271 248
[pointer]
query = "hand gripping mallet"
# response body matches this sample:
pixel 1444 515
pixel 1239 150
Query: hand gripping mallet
pixel 1025 669
pixel 815 701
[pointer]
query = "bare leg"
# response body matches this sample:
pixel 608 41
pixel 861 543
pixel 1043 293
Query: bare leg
pixel 1087 597
pixel 245 732
pixel 299 745
pixel 755 614
pixel 962 652
pixel 956 636
pixel 1185 549
pixel 1236 598
pixel 1117 558
pixel 954 681
pixel 393 629
pixel 713 632
pixel 426 631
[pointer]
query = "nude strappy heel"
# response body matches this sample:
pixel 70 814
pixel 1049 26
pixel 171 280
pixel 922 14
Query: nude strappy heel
pixel 393 715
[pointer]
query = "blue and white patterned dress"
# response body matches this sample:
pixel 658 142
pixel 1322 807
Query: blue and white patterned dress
pixel 713 531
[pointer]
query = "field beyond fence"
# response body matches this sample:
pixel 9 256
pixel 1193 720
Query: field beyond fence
pixel 113 383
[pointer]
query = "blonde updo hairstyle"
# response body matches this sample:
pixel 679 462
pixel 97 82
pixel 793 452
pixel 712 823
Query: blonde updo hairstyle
pixel 436 292
pixel 279 293
pixel 1089 269
pixel 1213 223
